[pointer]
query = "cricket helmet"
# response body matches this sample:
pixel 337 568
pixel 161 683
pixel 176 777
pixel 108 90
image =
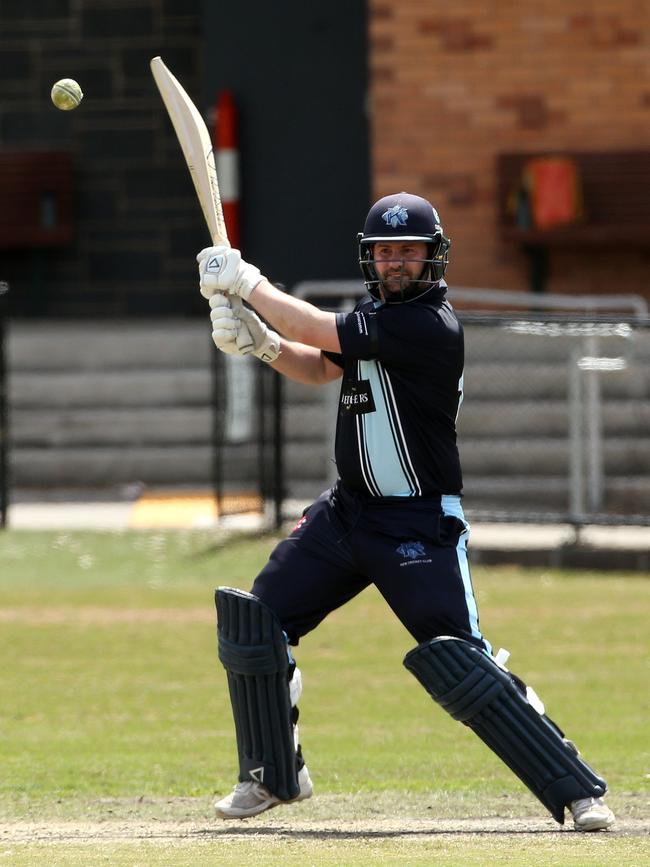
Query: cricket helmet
pixel 400 218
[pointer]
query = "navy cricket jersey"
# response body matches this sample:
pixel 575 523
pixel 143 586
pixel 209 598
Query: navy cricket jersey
pixel 401 390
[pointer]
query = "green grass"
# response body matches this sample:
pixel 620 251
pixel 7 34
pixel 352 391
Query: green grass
pixel 113 704
pixel 446 852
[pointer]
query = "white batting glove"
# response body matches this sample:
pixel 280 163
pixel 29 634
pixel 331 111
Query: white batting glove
pixel 222 269
pixel 229 324
pixel 229 334
pixel 224 323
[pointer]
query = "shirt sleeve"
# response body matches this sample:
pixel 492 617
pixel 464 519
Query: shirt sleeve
pixel 358 334
pixel 401 335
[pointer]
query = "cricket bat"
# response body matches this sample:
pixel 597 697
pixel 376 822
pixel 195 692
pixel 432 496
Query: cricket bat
pixel 196 144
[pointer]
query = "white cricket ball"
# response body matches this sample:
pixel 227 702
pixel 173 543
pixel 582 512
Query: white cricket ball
pixel 66 94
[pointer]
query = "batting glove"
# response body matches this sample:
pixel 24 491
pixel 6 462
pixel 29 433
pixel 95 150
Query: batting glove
pixel 222 269
pixel 231 326
pixel 229 334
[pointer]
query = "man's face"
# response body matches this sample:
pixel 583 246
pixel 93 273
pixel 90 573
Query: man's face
pixel 397 265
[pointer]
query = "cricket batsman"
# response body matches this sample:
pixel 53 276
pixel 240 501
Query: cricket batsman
pixel 394 517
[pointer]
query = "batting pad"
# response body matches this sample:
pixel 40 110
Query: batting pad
pixel 471 687
pixel 253 650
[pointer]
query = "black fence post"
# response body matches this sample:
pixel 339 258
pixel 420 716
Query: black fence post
pixel 217 368
pixel 4 424
pixel 278 450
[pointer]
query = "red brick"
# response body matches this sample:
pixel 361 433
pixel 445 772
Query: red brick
pixel 491 79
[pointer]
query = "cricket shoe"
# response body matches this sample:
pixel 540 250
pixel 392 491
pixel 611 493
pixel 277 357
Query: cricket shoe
pixel 591 814
pixel 250 798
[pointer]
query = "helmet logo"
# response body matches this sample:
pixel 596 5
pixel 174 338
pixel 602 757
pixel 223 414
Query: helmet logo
pixel 395 216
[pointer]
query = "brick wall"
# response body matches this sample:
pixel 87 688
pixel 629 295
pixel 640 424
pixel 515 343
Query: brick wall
pixel 125 258
pixel 452 86
pixel 449 89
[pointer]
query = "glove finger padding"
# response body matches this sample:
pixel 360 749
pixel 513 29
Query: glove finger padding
pixel 225 342
pixel 229 334
pixel 220 299
pixel 225 324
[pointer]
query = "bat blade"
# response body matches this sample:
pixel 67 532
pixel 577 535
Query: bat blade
pixel 195 142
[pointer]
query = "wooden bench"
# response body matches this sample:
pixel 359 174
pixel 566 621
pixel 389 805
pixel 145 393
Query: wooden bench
pixel 616 204
pixel 35 199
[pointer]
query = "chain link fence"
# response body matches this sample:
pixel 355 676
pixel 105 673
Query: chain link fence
pixel 555 418
pixel 553 426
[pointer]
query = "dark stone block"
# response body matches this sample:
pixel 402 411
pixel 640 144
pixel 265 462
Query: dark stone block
pixel 186 8
pixel 167 301
pixel 132 145
pixel 96 204
pixel 117 234
pixel 182 60
pixel 15 65
pixel 22 10
pixel 181 28
pixel 88 301
pixel 185 242
pixel 135 62
pixel 122 21
pixel 42 130
pixel 114 115
pixel 159 183
pixel 127 265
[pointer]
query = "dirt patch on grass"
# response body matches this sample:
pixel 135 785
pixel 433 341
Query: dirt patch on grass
pixel 116 831
pixel 329 817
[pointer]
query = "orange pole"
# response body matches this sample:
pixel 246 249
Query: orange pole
pixel 227 162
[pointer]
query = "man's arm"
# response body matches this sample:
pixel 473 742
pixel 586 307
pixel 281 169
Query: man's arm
pixel 305 364
pixel 294 318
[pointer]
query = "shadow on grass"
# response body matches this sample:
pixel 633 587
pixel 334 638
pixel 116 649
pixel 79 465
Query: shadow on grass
pixel 361 834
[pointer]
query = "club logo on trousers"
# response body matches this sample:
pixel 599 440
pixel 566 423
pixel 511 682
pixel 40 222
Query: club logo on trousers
pixel 411 550
pixel 257 774
pixel 412 553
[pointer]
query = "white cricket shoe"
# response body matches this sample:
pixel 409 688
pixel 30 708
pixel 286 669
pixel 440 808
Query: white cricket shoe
pixel 591 814
pixel 250 798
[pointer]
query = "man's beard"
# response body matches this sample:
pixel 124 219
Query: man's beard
pixel 398 283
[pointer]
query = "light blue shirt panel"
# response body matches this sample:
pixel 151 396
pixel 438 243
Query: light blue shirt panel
pixel 380 441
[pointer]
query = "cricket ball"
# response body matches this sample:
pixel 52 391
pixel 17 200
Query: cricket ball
pixel 66 94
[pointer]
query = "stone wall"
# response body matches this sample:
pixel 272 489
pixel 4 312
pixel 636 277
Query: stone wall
pixel 452 86
pixel 126 258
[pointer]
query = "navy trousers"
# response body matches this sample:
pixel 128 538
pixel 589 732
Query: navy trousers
pixel 413 550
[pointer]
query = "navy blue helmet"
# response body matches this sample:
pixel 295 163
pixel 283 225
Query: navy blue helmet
pixel 400 218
